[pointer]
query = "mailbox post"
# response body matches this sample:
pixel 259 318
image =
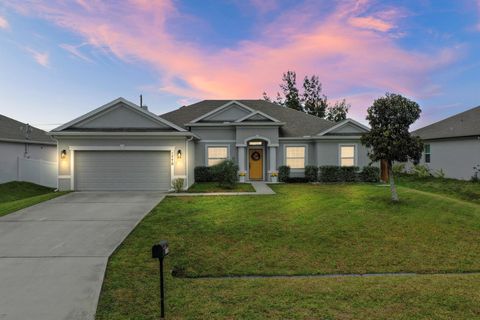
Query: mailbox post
pixel 160 251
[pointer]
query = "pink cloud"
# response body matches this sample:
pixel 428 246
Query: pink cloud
pixel 344 48
pixel 371 23
pixel 4 23
pixel 42 58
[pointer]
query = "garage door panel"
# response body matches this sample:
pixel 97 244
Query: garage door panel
pixel 122 170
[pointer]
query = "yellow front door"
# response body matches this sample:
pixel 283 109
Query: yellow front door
pixel 255 161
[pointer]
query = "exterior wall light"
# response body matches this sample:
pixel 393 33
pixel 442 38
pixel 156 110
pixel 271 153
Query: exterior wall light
pixel 179 154
pixel 63 154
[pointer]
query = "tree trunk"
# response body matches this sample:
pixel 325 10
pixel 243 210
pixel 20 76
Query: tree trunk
pixel 393 189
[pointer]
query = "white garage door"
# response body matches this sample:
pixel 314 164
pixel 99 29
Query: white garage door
pixel 122 170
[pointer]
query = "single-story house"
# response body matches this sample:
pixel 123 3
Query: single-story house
pixel 123 146
pixel 453 144
pixel 20 142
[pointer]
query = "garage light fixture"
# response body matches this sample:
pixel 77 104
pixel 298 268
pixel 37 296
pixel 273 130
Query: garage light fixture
pixel 179 154
pixel 63 154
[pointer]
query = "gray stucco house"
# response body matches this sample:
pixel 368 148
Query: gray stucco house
pixel 122 146
pixel 453 144
pixel 24 148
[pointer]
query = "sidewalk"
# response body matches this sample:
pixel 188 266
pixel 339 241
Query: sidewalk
pixel 261 188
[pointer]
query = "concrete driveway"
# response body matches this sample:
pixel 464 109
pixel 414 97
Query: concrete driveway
pixel 53 255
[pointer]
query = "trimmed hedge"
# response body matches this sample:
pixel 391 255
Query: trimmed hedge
pixel 349 174
pixel 283 173
pixel 311 173
pixel 298 180
pixel 330 174
pixel 370 174
pixel 203 174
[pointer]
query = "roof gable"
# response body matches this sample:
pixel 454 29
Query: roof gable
pixel 229 112
pixel 346 127
pixel 119 114
pixel 257 116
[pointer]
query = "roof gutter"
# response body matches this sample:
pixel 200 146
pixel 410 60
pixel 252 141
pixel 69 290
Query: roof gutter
pixel 118 133
pixel 52 143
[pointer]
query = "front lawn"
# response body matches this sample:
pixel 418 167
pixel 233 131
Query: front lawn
pixel 464 190
pixel 17 195
pixel 209 187
pixel 303 229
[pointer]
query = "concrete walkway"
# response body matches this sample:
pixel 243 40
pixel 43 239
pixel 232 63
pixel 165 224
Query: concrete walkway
pixel 261 188
pixel 53 255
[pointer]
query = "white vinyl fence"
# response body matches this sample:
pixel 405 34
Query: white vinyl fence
pixel 38 171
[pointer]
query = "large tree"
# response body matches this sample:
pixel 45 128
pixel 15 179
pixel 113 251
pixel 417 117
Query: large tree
pixel 338 111
pixel 290 91
pixel 389 138
pixel 314 102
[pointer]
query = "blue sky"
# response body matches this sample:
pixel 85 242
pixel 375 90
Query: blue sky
pixel 59 59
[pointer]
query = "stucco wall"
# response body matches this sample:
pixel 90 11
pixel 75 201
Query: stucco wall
pixel 327 152
pixel 455 157
pixel 64 143
pixel 214 133
pixel 9 153
pixel 247 132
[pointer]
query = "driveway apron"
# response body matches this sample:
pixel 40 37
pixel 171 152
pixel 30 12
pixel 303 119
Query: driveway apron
pixel 53 255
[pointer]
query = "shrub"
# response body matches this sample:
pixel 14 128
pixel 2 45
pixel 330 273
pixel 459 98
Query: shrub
pixel 349 174
pixel 225 174
pixel 297 180
pixel 370 174
pixel 203 174
pixel 177 184
pixel 283 173
pixel 330 174
pixel 398 168
pixel 476 173
pixel 420 171
pixel 311 173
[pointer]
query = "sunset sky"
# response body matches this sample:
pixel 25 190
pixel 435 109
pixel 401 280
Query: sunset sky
pixel 60 59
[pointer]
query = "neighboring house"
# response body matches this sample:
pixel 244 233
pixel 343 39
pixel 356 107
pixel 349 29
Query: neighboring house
pixel 453 144
pixel 121 146
pixel 23 149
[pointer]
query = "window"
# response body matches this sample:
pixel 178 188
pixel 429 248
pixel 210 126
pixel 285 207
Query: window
pixel 295 157
pixel 215 155
pixel 427 153
pixel 347 156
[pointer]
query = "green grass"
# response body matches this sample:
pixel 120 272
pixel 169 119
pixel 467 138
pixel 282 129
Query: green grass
pixel 303 229
pixel 464 190
pixel 208 187
pixel 17 195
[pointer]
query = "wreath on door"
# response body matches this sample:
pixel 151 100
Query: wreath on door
pixel 255 156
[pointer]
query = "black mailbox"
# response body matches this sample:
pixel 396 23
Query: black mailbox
pixel 160 250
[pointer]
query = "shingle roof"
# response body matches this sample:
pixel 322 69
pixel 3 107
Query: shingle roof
pixel 464 124
pixel 298 124
pixel 10 130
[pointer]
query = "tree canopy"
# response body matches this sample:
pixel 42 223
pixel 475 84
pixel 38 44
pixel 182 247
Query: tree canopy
pixel 311 101
pixel 389 139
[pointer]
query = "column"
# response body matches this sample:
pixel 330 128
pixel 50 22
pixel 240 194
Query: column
pixel 241 163
pixel 272 169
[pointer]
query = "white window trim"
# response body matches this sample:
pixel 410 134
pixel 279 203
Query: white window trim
pixel 216 146
pixel 305 162
pixel 355 153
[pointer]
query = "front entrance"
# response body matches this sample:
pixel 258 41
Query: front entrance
pixel 255 163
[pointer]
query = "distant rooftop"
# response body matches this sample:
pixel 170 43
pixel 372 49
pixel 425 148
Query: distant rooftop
pixel 13 130
pixel 465 124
